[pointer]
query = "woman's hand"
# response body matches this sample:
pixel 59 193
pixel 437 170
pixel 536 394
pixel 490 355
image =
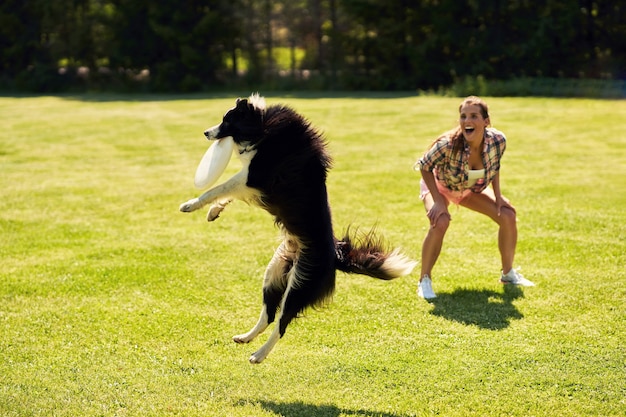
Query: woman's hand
pixel 500 201
pixel 503 202
pixel 436 211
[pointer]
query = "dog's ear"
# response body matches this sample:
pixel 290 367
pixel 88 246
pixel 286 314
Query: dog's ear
pixel 242 103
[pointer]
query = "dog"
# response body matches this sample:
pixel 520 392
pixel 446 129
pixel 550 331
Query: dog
pixel 284 169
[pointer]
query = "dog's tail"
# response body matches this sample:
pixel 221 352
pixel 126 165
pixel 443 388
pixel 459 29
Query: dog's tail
pixel 368 254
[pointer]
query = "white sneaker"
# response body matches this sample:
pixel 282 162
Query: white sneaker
pixel 425 288
pixel 515 278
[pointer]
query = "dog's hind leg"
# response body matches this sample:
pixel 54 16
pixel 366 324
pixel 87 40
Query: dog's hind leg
pixel 274 285
pixel 259 328
pixel 285 318
pixel 261 354
pixel 271 300
pixel 311 282
pixel 292 304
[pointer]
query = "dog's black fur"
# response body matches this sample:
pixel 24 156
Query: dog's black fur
pixel 285 164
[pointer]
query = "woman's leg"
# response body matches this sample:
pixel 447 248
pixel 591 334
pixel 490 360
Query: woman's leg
pixel 431 248
pixel 485 203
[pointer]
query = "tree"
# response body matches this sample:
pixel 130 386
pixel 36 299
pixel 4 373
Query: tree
pixel 188 45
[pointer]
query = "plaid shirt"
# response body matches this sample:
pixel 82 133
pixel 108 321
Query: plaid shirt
pixel 451 171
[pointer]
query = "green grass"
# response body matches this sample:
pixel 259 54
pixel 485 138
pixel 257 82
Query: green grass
pixel 112 303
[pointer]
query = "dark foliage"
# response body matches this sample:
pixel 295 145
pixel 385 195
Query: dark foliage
pixel 194 45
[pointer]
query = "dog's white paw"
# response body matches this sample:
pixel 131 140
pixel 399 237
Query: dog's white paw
pixel 214 212
pixel 189 206
pixel 260 355
pixel 243 338
pixel 254 359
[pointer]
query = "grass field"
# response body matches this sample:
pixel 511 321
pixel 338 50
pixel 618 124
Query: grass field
pixel 112 303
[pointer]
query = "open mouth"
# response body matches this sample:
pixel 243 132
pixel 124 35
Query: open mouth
pixel 469 130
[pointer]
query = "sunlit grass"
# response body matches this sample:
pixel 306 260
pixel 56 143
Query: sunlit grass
pixel 283 59
pixel 114 303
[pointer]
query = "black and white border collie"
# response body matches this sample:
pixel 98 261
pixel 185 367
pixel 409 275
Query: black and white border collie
pixel 285 164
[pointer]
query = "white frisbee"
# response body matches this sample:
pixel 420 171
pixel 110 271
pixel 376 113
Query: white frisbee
pixel 214 162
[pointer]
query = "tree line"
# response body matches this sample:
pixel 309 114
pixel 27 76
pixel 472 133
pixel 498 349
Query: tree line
pixel 193 45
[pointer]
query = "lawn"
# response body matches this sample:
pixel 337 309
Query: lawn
pixel 113 303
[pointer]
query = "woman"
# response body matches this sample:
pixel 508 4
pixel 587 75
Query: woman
pixel 458 168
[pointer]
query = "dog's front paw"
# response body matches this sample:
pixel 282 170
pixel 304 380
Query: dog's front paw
pixel 189 206
pixel 214 212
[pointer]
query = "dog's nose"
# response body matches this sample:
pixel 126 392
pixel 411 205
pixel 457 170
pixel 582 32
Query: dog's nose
pixel 206 133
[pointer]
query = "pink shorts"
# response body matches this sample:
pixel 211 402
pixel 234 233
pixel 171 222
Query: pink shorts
pixel 452 196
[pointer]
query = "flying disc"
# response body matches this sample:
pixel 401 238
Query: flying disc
pixel 214 162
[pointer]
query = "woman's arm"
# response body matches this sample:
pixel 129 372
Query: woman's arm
pixel 440 204
pixel 500 201
pixel 429 179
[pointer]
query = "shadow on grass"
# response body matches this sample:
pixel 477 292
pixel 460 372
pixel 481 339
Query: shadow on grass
pixel 483 308
pixel 299 409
